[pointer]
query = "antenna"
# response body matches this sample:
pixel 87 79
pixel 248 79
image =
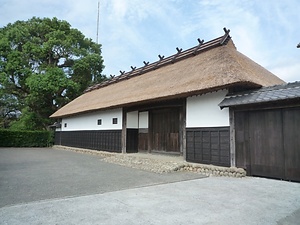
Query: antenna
pixel 98 15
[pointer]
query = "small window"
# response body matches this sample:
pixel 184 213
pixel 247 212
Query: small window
pixel 115 120
pixel 65 125
pixel 99 122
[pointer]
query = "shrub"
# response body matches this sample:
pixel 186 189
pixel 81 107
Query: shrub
pixel 12 138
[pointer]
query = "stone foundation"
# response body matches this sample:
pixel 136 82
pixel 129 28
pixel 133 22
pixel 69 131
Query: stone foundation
pixel 210 170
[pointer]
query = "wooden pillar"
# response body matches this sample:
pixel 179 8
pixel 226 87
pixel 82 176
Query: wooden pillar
pixel 232 137
pixel 150 131
pixel 124 130
pixel 182 129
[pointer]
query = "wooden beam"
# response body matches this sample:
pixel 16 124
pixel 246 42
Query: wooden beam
pixel 150 131
pixel 124 130
pixel 232 138
pixel 182 129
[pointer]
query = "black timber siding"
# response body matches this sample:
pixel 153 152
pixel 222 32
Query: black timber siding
pixel 132 136
pixel 209 145
pixel 164 130
pixel 268 142
pixel 103 140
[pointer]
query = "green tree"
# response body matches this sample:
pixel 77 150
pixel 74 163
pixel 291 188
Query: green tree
pixel 44 64
pixel 9 109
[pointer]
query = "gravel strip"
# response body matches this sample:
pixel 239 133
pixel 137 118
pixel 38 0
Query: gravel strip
pixel 158 164
pixel 148 164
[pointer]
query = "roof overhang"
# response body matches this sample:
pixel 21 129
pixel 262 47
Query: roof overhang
pixel 275 94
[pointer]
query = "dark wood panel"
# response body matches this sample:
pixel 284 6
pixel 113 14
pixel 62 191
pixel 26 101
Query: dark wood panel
pixel 57 135
pixel 132 140
pixel 268 142
pixel 143 139
pixel 165 130
pixel 291 131
pixel 106 140
pixel 208 145
pixel 143 142
pixel 265 135
pixel 242 140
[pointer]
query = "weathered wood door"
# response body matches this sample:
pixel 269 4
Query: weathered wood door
pixel 291 144
pixel 268 142
pixel 165 130
pixel 266 146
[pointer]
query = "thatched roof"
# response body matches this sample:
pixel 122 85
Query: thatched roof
pixel 207 67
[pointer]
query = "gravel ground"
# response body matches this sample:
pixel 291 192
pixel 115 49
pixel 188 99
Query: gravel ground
pixel 159 163
pixel 148 164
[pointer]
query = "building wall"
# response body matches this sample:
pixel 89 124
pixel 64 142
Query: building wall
pixel 133 119
pixel 207 130
pixel 143 119
pixel 89 121
pixel 83 131
pixel 104 140
pixel 203 110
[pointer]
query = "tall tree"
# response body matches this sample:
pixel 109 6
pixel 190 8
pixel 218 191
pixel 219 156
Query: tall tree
pixel 44 64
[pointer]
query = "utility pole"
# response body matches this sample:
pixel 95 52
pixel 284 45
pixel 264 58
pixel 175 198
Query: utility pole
pixel 98 15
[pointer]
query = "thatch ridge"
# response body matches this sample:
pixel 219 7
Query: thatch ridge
pixel 180 55
pixel 221 66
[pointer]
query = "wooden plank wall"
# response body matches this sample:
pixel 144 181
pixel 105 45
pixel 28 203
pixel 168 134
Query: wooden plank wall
pixel 164 128
pixel 291 130
pixel 208 145
pixel 132 140
pixel 268 142
pixel 143 139
pixel 104 140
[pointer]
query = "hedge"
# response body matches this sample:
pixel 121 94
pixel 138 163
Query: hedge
pixel 12 138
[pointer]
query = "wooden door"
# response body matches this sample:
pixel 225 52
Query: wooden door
pixel 266 147
pixel 291 131
pixel 165 130
pixel 268 142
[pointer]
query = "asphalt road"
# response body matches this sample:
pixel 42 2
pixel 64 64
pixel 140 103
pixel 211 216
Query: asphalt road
pixel 32 174
pixel 45 186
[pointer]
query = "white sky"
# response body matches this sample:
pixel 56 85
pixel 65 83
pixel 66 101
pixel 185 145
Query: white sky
pixel 133 31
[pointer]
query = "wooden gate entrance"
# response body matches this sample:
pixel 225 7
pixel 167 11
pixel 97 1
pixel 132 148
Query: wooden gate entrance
pixel 265 135
pixel 268 142
pixel 164 130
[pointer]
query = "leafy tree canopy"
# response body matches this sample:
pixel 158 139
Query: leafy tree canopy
pixel 44 64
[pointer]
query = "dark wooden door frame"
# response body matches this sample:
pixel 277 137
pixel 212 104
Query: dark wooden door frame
pixel 164 132
pixel 175 103
pixel 288 119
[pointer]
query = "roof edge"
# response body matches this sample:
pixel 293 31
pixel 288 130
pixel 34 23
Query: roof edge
pixel 164 98
pixel 180 55
pixel 275 88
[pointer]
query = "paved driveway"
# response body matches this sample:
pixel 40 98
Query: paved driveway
pixel 32 174
pixel 110 194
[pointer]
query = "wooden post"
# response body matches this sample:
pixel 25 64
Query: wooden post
pixel 124 130
pixel 149 131
pixel 232 137
pixel 182 130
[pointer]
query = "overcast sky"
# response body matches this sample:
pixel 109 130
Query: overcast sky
pixel 133 31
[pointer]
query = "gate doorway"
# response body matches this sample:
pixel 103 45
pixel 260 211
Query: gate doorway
pixel 164 130
pixel 267 142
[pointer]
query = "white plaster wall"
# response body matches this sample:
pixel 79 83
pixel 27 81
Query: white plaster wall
pixel 143 119
pixel 132 119
pixel 89 121
pixel 203 110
